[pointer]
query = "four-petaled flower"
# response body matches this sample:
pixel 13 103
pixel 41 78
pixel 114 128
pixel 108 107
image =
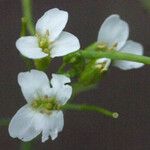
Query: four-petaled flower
pixel 50 39
pixel 42 113
pixel 113 35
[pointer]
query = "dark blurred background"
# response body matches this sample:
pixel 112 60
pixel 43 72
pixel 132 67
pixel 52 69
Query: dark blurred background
pixel 127 92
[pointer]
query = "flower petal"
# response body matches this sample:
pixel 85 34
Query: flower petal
pixel 65 44
pixel 61 91
pixel 133 48
pixel 27 124
pixel 113 31
pixel 21 125
pixel 34 84
pixel 53 21
pixel 51 125
pixel 28 47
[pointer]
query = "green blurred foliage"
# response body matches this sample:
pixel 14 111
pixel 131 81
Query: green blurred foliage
pixel 146 4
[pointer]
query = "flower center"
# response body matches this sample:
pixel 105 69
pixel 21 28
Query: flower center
pixel 45 105
pixel 44 43
pixel 105 47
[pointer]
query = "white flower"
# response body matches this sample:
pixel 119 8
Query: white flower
pixel 42 112
pixel 50 39
pixel 113 34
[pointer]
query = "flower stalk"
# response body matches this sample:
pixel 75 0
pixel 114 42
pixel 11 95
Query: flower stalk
pixel 115 55
pixel 26 146
pixel 85 107
pixel 4 122
pixel 27 13
pixel 23 26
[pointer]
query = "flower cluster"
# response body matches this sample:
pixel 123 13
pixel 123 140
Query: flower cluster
pixel 43 112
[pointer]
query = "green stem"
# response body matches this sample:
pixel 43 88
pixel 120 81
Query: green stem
pixel 4 122
pixel 146 4
pixel 23 27
pixel 27 13
pixel 26 145
pixel 115 55
pixel 84 107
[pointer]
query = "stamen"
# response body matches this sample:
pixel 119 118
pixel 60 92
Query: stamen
pixel 44 42
pixel 45 105
pixel 102 46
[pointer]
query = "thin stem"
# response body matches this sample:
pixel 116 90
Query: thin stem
pixel 23 27
pixel 26 145
pixel 27 14
pixel 115 55
pixel 4 122
pixel 84 107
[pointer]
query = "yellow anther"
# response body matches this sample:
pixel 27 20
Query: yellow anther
pixel 102 46
pixel 46 50
pixel 49 106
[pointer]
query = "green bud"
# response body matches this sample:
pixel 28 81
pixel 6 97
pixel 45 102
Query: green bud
pixel 91 74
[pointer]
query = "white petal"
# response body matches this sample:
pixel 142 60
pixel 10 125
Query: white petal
pixel 27 124
pixel 21 126
pixel 113 31
pixel 134 48
pixel 34 84
pixel 102 60
pixel 51 125
pixel 61 90
pixel 28 47
pixel 65 44
pixel 53 21
pixel 54 134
